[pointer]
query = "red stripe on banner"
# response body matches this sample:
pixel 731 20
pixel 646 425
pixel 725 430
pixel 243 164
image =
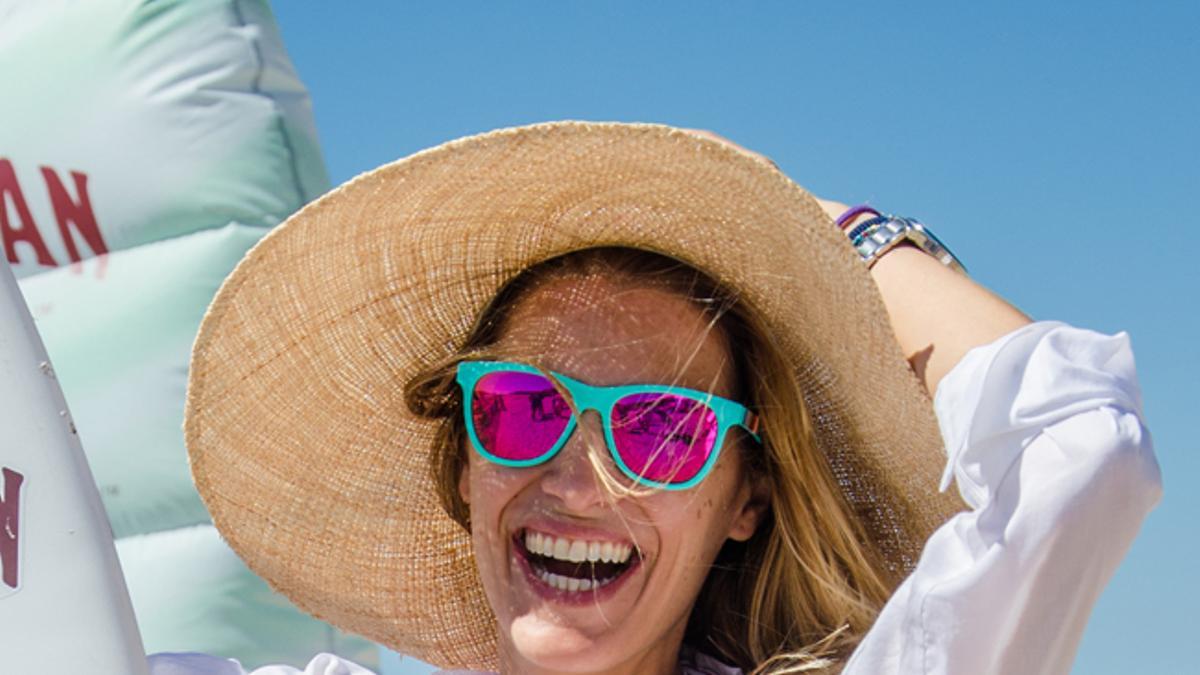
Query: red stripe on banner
pixel 10 528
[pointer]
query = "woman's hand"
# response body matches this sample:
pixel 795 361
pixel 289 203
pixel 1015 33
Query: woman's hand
pixel 938 315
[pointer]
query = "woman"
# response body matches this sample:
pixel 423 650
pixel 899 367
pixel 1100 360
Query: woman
pixel 619 398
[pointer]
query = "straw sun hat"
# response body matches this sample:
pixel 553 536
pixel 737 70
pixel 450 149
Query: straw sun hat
pixel 317 474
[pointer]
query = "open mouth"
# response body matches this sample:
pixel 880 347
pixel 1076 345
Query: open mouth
pixel 575 565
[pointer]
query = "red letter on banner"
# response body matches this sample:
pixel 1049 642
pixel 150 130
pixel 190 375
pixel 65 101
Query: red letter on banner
pixel 10 190
pixel 67 210
pixel 10 527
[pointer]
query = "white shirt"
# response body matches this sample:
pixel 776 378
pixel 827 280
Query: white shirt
pixel 1046 444
pixel 1045 441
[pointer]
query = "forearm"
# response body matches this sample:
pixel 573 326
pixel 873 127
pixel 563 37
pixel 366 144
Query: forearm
pixel 938 315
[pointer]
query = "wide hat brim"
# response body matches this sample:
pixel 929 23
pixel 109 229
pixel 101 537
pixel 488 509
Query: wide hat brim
pixel 317 474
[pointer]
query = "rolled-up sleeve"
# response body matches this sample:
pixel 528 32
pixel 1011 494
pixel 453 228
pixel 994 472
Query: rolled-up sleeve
pixel 1046 443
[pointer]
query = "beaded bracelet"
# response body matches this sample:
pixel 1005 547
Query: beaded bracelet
pixel 862 229
pixel 854 212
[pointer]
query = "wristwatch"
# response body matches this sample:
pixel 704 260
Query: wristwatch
pixel 876 236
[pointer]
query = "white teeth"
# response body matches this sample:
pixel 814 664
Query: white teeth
pixel 578 551
pixel 569 584
pixel 555 580
pixel 561 548
pixel 606 552
pixel 575 550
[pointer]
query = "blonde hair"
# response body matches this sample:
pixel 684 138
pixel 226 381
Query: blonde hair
pixel 803 590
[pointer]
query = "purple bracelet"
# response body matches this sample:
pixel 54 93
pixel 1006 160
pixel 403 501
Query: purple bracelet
pixel 854 212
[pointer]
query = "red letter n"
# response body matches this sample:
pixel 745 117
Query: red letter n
pixel 10 190
pixel 10 527
pixel 67 210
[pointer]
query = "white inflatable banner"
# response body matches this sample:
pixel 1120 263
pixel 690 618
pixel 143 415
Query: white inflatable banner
pixel 63 604
pixel 145 145
pixel 128 122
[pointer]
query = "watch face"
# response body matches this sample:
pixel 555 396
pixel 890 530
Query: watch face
pixel 920 227
pixel 929 243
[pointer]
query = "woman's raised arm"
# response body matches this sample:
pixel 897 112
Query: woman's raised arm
pixel 1046 444
pixel 938 314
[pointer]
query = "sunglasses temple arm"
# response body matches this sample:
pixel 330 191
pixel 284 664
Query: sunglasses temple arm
pixel 751 423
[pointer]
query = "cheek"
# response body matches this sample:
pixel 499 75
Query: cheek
pixel 698 518
pixel 715 512
pixel 487 501
pixel 682 516
pixel 488 489
pixel 464 483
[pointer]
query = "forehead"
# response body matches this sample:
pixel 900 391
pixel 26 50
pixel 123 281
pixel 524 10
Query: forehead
pixel 608 331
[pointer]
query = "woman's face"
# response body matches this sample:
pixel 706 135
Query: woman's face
pixel 603 332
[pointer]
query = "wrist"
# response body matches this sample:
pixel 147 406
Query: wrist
pixel 875 234
pixel 907 255
pixel 831 208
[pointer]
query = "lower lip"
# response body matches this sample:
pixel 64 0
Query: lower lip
pixel 588 597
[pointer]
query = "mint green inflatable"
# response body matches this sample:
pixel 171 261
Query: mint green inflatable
pixel 144 147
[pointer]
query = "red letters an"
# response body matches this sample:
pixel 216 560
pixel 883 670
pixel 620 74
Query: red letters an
pixel 10 527
pixel 67 210
pixel 10 190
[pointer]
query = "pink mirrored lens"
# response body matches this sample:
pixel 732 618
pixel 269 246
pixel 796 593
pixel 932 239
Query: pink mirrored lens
pixel 663 437
pixel 518 416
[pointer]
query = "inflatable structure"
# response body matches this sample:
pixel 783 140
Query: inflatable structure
pixel 144 147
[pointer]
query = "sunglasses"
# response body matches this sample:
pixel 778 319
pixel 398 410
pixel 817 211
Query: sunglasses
pixel 660 436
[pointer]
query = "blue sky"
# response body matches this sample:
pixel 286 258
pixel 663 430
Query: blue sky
pixel 1054 148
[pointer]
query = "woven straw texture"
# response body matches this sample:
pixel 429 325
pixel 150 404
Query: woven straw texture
pixel 316 473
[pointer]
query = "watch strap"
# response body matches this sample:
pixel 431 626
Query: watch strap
pixel 874 237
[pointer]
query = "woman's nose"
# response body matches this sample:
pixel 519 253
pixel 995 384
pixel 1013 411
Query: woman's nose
pixel 570 476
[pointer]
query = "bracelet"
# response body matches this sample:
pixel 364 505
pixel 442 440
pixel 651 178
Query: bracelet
pixel 862 229
pixel 854 212
pixel 883 231
pixel 877 236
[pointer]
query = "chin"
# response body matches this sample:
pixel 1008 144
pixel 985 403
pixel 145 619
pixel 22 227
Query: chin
pixel 556 647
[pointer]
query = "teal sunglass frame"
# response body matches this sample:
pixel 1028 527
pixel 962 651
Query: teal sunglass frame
pixel 603 399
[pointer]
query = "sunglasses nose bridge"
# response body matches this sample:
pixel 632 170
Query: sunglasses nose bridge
pixel 582 398
pixel 588 430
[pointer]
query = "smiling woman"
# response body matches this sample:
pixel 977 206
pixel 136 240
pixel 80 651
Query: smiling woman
pixel 614 316
pixel 611 398
pixel 643 609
